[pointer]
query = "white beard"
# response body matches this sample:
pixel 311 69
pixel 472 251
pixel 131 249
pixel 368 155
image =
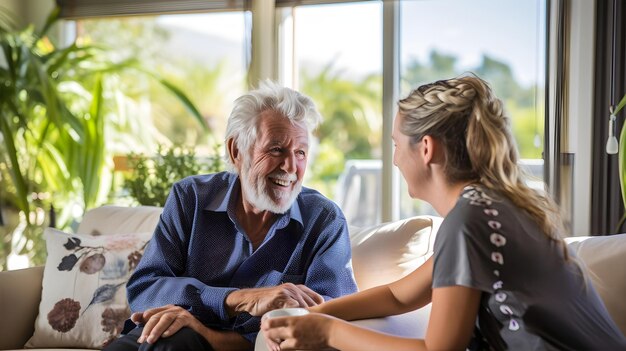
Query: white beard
pixel 256 193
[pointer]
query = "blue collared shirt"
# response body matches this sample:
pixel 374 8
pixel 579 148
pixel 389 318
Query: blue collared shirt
pixel 199 253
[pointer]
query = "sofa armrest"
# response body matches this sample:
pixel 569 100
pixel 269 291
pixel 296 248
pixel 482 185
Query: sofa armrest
pixel 20 294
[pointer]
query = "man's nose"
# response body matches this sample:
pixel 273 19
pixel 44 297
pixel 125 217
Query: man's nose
pixel 289 163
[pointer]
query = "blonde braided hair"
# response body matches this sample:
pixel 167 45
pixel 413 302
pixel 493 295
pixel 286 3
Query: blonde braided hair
pixel 468 119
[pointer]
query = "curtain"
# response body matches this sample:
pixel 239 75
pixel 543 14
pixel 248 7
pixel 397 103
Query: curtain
pixel 609 86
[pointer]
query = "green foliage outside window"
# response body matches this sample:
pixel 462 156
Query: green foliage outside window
pixel 58 110
pixel 152 178
pixel 351 109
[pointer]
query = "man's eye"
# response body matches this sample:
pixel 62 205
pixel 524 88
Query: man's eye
pixel 275 150
pixel 300 154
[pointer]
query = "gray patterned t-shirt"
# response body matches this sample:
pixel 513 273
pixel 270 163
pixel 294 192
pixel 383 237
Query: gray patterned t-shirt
pixel 531 298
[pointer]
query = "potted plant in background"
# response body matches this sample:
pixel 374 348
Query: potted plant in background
pixel 151 178
pixel 53 103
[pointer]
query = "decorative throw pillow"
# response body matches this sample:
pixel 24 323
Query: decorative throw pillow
pixel 83 301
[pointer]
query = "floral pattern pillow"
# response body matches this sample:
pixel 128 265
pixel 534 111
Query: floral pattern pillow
pixel 83 301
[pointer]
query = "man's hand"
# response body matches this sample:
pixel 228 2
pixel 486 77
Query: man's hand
pixel 165 321
pixel 257 301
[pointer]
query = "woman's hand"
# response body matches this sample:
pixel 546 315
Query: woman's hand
pixel 308 332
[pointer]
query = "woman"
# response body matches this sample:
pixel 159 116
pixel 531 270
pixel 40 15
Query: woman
pixel 500 277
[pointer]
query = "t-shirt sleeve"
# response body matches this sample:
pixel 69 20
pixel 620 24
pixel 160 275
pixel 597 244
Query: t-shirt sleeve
pixel 462 255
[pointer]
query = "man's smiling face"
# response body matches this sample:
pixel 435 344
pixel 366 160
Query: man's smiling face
pixel 271 175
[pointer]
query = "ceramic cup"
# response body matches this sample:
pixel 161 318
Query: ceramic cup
pixel 284 312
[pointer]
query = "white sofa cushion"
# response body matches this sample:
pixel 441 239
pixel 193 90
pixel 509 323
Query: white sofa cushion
pixel 107 220
pixel 605 260
pixel 384 253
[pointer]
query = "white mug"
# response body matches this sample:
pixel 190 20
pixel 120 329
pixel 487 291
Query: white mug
pixel 285 312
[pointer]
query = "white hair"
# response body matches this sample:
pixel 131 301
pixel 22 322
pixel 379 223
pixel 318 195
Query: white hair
pixel 248 109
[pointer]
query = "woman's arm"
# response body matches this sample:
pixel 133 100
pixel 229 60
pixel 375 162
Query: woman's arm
pixel 452 317
pixel 451 322
pixel 450 326
pixel 404 295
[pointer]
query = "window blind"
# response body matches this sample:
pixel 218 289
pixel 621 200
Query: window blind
pixel 71 9
pixel 290 3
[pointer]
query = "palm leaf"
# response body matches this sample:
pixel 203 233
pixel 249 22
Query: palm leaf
pixel 54 168
pixel 181 96
pixel 622 161
pixel 15 169
pixel 93 151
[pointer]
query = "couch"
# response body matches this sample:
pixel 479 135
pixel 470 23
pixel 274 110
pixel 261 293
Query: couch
pixel 381 253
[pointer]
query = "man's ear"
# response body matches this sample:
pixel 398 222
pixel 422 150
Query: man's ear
pixel 233 152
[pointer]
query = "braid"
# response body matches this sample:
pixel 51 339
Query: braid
pixel 455 99
pixel 468 119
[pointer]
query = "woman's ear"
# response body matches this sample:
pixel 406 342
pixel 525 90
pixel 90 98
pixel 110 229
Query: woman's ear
pixel 428 149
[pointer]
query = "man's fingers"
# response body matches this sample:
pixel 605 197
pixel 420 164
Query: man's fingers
pixel 290 303
pixel 137 317
pixel 147 314
pixel 303 295
pixel 309 300
pixel 165 323
pixel 147 328
pixel 298 297
pixel 158 324
pixel 162 328
pixel 315 297
pixel 174 327
pixel 318 298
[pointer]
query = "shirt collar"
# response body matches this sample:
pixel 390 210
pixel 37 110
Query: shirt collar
pixel 228 195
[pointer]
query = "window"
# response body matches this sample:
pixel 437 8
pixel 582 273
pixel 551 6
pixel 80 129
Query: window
pixel 339 64
pixel 202 54
pixel 333 51
pixel 503 41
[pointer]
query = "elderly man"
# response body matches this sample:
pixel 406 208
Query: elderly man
pixel 231 246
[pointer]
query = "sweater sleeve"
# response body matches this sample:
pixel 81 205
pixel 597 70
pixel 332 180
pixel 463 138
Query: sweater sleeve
pixel 159 278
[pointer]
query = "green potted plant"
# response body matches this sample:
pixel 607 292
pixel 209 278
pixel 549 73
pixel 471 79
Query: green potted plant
pixel 613 147
pixel 52 125
pixel 151 178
